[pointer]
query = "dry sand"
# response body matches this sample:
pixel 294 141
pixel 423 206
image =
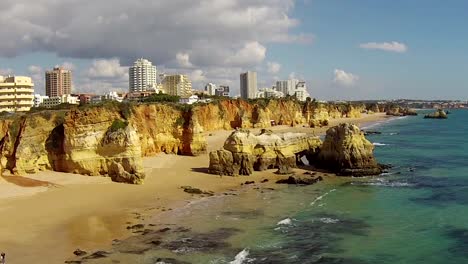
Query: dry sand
pixel 48 215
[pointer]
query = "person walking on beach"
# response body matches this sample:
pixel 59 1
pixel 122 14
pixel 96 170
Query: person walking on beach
pixel 2 258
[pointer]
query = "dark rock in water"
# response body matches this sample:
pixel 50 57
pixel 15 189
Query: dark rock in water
pixel 249 182
pixel 170 261
pixel 79 252
pixel 205 242
pixel 98 255
pixel 347 152
pixel 439 114
pixel 135 227
pixel 191 190
pixel 367 133
pixel 300 181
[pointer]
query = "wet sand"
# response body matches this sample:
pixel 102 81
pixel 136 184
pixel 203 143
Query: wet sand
pixel 49 215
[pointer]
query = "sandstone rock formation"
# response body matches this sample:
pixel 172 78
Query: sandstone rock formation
pixel 439 114
pixel 401 111
pixel 346 151
pixel 110 139
pixel 245 152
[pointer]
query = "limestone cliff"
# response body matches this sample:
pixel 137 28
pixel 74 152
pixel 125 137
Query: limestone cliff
pixel 346 151
pixel 110 139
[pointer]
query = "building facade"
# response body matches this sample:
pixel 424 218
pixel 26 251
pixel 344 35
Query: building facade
pixel 248 85
pixel 301 92
pixel 269 93
pixel 142 76
pixel 287 87
pixel 58 82
pixel 223 90
pixel 16 94
pixel 57 100
pixel 210 88
pixel 178 85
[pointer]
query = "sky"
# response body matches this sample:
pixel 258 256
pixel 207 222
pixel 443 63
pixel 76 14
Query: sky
pixel 344 49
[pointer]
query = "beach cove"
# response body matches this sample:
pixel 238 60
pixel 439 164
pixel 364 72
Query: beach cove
pixel 65 212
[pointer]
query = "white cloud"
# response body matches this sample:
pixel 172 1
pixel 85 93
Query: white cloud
pixel 252 53
pixel 183 60
pixel 209 34
pixel 344 78
pixel 385 46
pixel 197 76
pixel 107 69
pixel 273 67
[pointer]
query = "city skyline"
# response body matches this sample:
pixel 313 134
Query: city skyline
pixel 343 50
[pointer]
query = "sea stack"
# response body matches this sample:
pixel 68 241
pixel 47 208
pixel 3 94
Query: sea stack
pixel 439 114
pixel 347 152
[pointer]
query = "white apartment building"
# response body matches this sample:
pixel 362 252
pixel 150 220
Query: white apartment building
pixel 301 92
pixel 210 88
pixel 269 93
pixel 142 76
pixel 287 87
pixel 16 93
pixel 57 100
pixel 178 85
pixel 248 85
pixel 39 99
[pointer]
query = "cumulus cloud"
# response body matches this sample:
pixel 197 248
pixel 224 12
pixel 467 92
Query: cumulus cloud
pixel 183 34
pixel 252 53
pixel 183 60
pixel 212 29
pixel 385 46
pixel 107 69
pixel 273 67
pixel 344 78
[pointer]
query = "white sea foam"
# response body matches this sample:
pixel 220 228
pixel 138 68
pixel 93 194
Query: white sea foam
pixel 327 220
pixel 287 221
pixel 379 144
pixel 392 134
pixel 321 197
pixel 241 257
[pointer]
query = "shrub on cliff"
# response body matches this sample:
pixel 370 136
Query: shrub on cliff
pixel 118 124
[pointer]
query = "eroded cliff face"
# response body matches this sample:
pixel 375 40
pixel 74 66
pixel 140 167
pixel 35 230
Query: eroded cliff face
pixel 111 139
pixel 346 151
pixel 244 152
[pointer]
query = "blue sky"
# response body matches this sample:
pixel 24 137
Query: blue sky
pixel 433 65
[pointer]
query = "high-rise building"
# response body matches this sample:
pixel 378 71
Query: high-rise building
pixel 287 87
pixel 223 90
pixel 248 85
pixel 142 76
pixel 178 85
pixel 58 82
pixel 301 92
pixel 210 88
pixel 16 93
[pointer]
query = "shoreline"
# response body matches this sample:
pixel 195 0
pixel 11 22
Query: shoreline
pixel 89 212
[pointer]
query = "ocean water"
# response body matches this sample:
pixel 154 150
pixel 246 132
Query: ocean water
pixel 416 213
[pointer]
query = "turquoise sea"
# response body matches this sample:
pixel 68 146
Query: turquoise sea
pixel 417 213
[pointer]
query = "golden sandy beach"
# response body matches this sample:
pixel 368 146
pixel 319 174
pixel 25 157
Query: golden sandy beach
pixel 47 216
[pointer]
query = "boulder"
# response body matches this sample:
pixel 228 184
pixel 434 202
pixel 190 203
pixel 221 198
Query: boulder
pixel 439 114
pixel 299 181
pixel 347 152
